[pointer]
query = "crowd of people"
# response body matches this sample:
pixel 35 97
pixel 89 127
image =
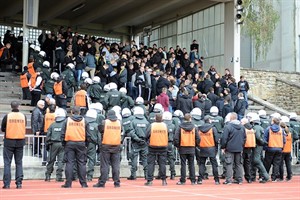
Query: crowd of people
pixel 162 99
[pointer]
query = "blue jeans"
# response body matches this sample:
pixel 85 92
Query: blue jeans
pixel 78 74
pixel 245 93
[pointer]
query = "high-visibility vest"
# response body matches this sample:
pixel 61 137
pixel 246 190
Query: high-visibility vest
pixel 15 126
pixel 33 80
pixel 250 139
pixel 288 144
pixel 58 88
pixel 31 68
pixel 159 135
pixel 275 139
pixel 75 131
pixel 24 81
pixel 49 119
pixel 187 138
pixel 112 133
pixel 207 139
pixel 80 98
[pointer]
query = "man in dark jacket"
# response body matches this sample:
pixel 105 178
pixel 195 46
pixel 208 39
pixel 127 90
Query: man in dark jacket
pixel 75 147
pixel 233 90
pixel 212 96
pixel 37 122
pixel 227 108
pixel 186 139
pixel 184 103
pixel 208 149
pixel 232 143
pixel 240 106
pixel 14 127
pixel 243 86
pixel 275 136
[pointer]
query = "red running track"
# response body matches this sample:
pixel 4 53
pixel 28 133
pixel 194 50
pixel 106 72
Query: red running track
pixel 40 190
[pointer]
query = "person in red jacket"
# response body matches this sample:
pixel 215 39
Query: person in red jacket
pixel 163 99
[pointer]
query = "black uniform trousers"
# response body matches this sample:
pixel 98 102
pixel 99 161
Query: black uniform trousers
pixel 287 159
pixel 190 159
pixel 107 158
pixel 161 160
pixel 35 97
pixel 8 154
pixel 273 158
pixel 75 154
pixel 202 168
pixel 247 158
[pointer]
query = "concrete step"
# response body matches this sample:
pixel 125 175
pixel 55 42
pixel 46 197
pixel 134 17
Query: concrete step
pixel 256 107
pixel 250 102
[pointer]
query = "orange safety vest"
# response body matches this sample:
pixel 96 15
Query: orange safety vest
pixel 49 119
pixel 80 98
pixel 288 144
pixel 31 68
pixel 275 139
pixel 187 138
pixel 24 81
pixel 159 135
pixel 15 126
pixel 250 139
pixel 75 131
pixel 33 80
pixel 112 133
pixel 58 88
pixel 207 139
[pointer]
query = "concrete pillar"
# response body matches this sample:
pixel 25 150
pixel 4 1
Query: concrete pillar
pixel 125 38
pixel 25 36
pixel 232 40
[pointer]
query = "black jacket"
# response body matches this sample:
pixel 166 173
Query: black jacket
pixel 11 142
pixel 213 98
pixel 209 151
pixel 234 137
pixel 37 120
pixel 233 91
pixel 185 104
pixel 240 107
pixel 188 126
pixel 226 109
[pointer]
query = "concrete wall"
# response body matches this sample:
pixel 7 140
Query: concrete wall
pixel 283 53
pixel 263 84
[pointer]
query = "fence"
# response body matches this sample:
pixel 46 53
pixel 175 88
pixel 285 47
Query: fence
pixel 35 153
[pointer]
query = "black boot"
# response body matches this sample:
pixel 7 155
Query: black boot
pixel 164 182
pixel 47 179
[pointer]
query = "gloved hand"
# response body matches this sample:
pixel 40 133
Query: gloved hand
pixel 142 142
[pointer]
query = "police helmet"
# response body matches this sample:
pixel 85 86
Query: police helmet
pixel 293 115
pixel 96 79
pixel 254 118
pixel 138 110
pixel 113 86
pixel 196 112
pixel 276 115
pixel 37 48
pixel 117 109
pixel 285 119
pixel 88 81
pixel 123 90
pixel 46 64
pixel 32 46
pixel 106 88
pixel 71 66
pixel 91 113
pixel 60 112
pixel 262 113
pixel 42 53
pixel 250 115
pixel 96 106
pixel 158 108
pixel 54 76
pixel 178 113
pixel 126 112
pixel 244 121
pixel 85 75
pixel 214 110
pixel 227 118
pixel 167 115
pixel 139 100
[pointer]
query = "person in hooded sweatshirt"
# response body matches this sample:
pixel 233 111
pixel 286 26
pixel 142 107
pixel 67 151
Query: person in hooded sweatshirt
pixel 240 106
pixel 275 136
pixel 74 136
pixel 248 148
pixel 185 103
pixel 208 149
pixel 163 99
pixel 186 139
pixel 232 144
